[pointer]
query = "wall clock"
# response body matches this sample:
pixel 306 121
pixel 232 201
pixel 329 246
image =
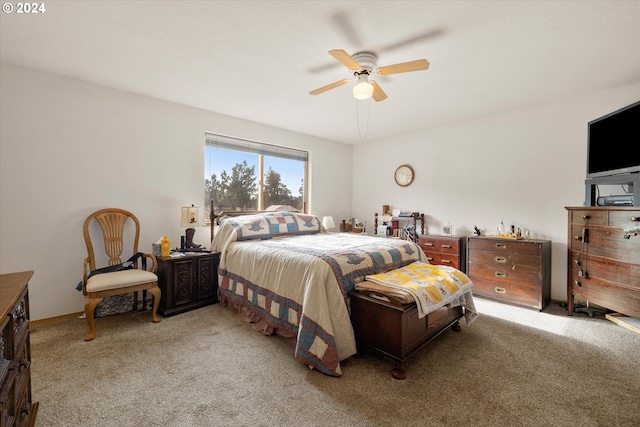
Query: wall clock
pixel 403 175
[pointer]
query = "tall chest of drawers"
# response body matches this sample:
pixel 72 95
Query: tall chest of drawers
pixel 512 271
pixel 16 405
pixel 445 250
pixel 604 257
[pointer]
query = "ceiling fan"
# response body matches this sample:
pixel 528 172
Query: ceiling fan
pixel 363 65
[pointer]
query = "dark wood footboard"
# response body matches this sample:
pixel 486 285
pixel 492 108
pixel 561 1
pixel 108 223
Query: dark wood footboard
pixel 394 330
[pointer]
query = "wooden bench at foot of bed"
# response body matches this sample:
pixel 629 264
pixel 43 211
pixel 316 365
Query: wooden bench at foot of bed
pixel 394 330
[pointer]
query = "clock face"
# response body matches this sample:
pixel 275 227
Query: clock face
pixel 404 175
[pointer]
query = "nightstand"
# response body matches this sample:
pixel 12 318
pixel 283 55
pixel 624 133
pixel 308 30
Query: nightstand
pixel 187 282
pixel 445 250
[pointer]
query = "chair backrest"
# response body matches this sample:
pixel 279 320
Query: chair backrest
pixel 112 223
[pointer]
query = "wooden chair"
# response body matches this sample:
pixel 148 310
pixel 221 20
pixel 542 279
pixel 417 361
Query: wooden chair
pixel 112 224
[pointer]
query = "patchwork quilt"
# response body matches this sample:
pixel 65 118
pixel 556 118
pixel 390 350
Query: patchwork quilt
pixel 432 286
pixel 300 283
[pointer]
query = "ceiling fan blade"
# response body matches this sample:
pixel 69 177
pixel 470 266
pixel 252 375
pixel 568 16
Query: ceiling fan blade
pixel 378 93
pixel 404 67
pixel 345 59
pixel 329 87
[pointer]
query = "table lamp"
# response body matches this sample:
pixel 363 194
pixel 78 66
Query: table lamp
pixel 189 218
pixel 327 223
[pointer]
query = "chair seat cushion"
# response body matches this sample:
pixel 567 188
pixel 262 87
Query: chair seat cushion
pixel 119 279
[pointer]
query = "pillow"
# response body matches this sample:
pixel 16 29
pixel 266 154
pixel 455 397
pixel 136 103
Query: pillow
pixel 273 224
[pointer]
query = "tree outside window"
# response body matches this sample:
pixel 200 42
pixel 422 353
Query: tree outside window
pixel 246 175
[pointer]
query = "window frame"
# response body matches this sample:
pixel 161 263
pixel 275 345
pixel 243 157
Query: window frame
pixel 262 149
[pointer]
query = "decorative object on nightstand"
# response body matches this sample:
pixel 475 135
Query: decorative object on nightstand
pixel 328 223
pixel 188 282
pixel 403 175
pixel 447 229
pixel 189 218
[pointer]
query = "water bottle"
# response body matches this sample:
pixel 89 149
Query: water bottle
pixel 165 246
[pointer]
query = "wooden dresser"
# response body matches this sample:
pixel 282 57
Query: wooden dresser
pixel 512 271
pixel 16 406
pixel 604 266
pixel 445 250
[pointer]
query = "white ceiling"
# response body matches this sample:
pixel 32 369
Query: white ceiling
pixel 258 60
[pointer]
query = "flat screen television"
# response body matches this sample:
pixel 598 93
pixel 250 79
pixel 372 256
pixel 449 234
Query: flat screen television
pixel 613 146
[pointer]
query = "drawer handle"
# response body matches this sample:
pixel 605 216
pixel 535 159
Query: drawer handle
pixel 501 246
pixel 447 246
pixel 500 259
pixel 635 218
pixel 585 217
pixel 429 259
pixel 578 283
pixel 500 290
pixel 501 274
pixel 427 244
pixel 445 261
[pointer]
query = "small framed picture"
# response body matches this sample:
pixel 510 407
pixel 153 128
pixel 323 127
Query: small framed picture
pixel 446 228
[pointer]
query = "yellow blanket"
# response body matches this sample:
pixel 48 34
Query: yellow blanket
pixel 432 286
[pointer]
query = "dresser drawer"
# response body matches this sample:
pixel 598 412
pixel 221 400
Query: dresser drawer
pixel 508 291
pixel 20 316
pixel 504 261
pixel 442 244
pixel 606 293
pixel 523 247
pixel 443 259
pixel 605 242
pixel 504 276
pixel 589 217
pixel 623 273
pixel 623 219
pixel 6 346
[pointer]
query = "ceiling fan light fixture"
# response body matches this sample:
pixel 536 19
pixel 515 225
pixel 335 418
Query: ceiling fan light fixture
pixel 363 90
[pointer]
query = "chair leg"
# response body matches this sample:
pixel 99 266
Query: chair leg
pixel 89 310
pixel 155 291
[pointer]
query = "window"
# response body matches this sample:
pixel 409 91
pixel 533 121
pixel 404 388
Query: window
pixel 248 175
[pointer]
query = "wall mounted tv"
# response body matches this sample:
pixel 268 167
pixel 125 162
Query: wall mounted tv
pixel 613 142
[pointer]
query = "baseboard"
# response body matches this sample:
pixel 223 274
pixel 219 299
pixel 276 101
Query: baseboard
pixel 34 323
pixel 141 306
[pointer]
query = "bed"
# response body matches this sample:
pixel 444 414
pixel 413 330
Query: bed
pixel 286 276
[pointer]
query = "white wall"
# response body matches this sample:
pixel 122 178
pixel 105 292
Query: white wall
pixel 523 166
pixel 68 148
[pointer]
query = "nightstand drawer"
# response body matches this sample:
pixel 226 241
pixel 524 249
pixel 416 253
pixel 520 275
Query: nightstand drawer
pixel 443 259
pixel 439 244
pixel 445 250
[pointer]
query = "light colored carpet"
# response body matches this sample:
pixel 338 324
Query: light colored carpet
pixel 512 367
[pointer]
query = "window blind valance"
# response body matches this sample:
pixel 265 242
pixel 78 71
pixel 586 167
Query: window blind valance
pixel 239 144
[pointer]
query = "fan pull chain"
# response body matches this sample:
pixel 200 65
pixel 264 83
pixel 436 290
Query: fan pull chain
pixel 366 130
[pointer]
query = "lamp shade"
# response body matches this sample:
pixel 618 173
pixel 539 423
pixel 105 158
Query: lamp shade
pixel 327 223
pixel 189 217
